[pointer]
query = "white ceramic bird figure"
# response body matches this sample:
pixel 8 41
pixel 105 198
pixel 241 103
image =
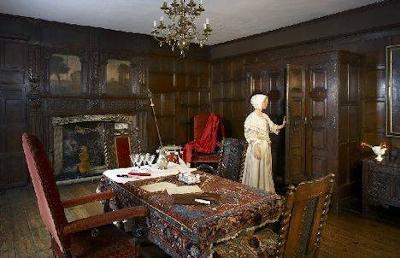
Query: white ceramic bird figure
pixel 379 150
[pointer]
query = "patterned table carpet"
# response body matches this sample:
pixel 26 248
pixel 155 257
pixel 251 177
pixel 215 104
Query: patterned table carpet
pixel 192 230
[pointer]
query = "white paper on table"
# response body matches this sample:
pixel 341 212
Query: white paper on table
pixel 173 169
pixel 185 189
pixel 171 188
pixel 157 187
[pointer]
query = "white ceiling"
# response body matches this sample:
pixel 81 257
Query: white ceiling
pixel 230 19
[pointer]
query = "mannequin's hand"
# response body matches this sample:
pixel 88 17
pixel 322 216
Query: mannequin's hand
pixel 284 122
pixel 257 152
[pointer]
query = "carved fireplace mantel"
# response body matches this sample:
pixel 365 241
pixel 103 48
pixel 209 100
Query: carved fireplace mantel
pixel 96 133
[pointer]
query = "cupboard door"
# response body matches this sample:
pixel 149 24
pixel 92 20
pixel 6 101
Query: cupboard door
pixel 275 89
pixel 295 132
pixel 317 122
pixel 271 81
pixel 12 114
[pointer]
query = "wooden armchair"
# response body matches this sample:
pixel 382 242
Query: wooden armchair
pixel 231 163
pixel 88 237
pixel 302 223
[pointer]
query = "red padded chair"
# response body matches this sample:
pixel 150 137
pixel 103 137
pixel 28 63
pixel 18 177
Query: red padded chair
pixel 199 123
pixel 122 151
pixel 76 238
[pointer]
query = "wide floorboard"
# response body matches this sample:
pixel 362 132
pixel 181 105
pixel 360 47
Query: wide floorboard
pixel 22 233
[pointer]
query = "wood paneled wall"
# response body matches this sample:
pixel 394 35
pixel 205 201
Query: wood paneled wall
pixel 181 89
pixel 12 111
pixel 180 86
pixel 229 79
pixel 362 113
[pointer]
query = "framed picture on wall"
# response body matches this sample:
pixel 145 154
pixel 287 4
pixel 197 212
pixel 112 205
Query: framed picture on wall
pixel 118 77
pixel 393 90
pixel 65 75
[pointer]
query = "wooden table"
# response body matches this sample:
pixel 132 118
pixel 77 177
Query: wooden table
pixel 191 230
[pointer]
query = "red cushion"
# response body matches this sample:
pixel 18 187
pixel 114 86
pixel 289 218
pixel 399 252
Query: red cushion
pixel 123 150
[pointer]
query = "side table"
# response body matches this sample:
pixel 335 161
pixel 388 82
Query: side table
pixel 380 184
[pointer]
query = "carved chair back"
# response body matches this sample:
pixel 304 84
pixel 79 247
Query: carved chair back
pixel 122 147
pixel 231 165
pixel 42 176
pixel 305 215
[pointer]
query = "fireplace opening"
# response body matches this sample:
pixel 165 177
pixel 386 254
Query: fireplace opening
pixel 83 146
pixel 83 150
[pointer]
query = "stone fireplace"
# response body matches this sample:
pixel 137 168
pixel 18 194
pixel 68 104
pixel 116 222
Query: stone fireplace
pixel 83 145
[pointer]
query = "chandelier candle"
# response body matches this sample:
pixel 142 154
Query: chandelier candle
pixel 179 29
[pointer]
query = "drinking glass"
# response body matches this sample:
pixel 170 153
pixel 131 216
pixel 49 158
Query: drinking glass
pixel 151 159
pixel 146 158
pixel 137 160
pixel 134 157
pixel 141 159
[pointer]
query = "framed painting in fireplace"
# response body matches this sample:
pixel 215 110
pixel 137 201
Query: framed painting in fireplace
pixel 393 90
pixel 66 74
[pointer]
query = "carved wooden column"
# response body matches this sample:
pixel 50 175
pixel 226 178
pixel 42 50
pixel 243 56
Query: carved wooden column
pixel 34 93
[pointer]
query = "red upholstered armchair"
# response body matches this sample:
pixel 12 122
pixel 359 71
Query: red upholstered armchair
pixel 199 124
pixel 76 238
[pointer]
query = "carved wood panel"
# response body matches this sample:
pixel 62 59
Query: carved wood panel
pixel 230 93
pixel 180 90
pixel 295 132
pixel 349 123
pixel 12 113
pixel 317 121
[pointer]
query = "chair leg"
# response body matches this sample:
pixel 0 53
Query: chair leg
pixel 57 253
pixel 106 206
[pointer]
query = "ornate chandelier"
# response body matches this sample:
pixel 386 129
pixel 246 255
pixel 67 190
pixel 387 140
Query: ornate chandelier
pixel 181 28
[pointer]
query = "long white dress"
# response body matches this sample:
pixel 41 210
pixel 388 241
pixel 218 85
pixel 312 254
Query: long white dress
pixel 258 172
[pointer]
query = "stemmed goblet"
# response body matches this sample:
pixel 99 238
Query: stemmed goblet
pixel 150 159
pixel 142 158
pixel 134 158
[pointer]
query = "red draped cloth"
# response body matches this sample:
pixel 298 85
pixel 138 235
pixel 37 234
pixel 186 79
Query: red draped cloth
pixel 207 141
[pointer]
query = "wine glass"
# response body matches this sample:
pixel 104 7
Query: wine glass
pixel 146 158
pixel 134 157
pixel 141 159
pixel 151 159
pixel 137 160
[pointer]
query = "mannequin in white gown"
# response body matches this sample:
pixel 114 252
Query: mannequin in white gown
pixel 257 127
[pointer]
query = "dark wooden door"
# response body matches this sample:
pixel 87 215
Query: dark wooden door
pixel 317 152
pixel 307 143
pixel 12 113
pixel 275 89
pixel 271 81
pixel 296 87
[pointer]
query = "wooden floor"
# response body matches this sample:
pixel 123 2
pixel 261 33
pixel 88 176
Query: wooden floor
pixel 22 233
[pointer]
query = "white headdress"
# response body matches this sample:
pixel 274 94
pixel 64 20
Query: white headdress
pixel 257 100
